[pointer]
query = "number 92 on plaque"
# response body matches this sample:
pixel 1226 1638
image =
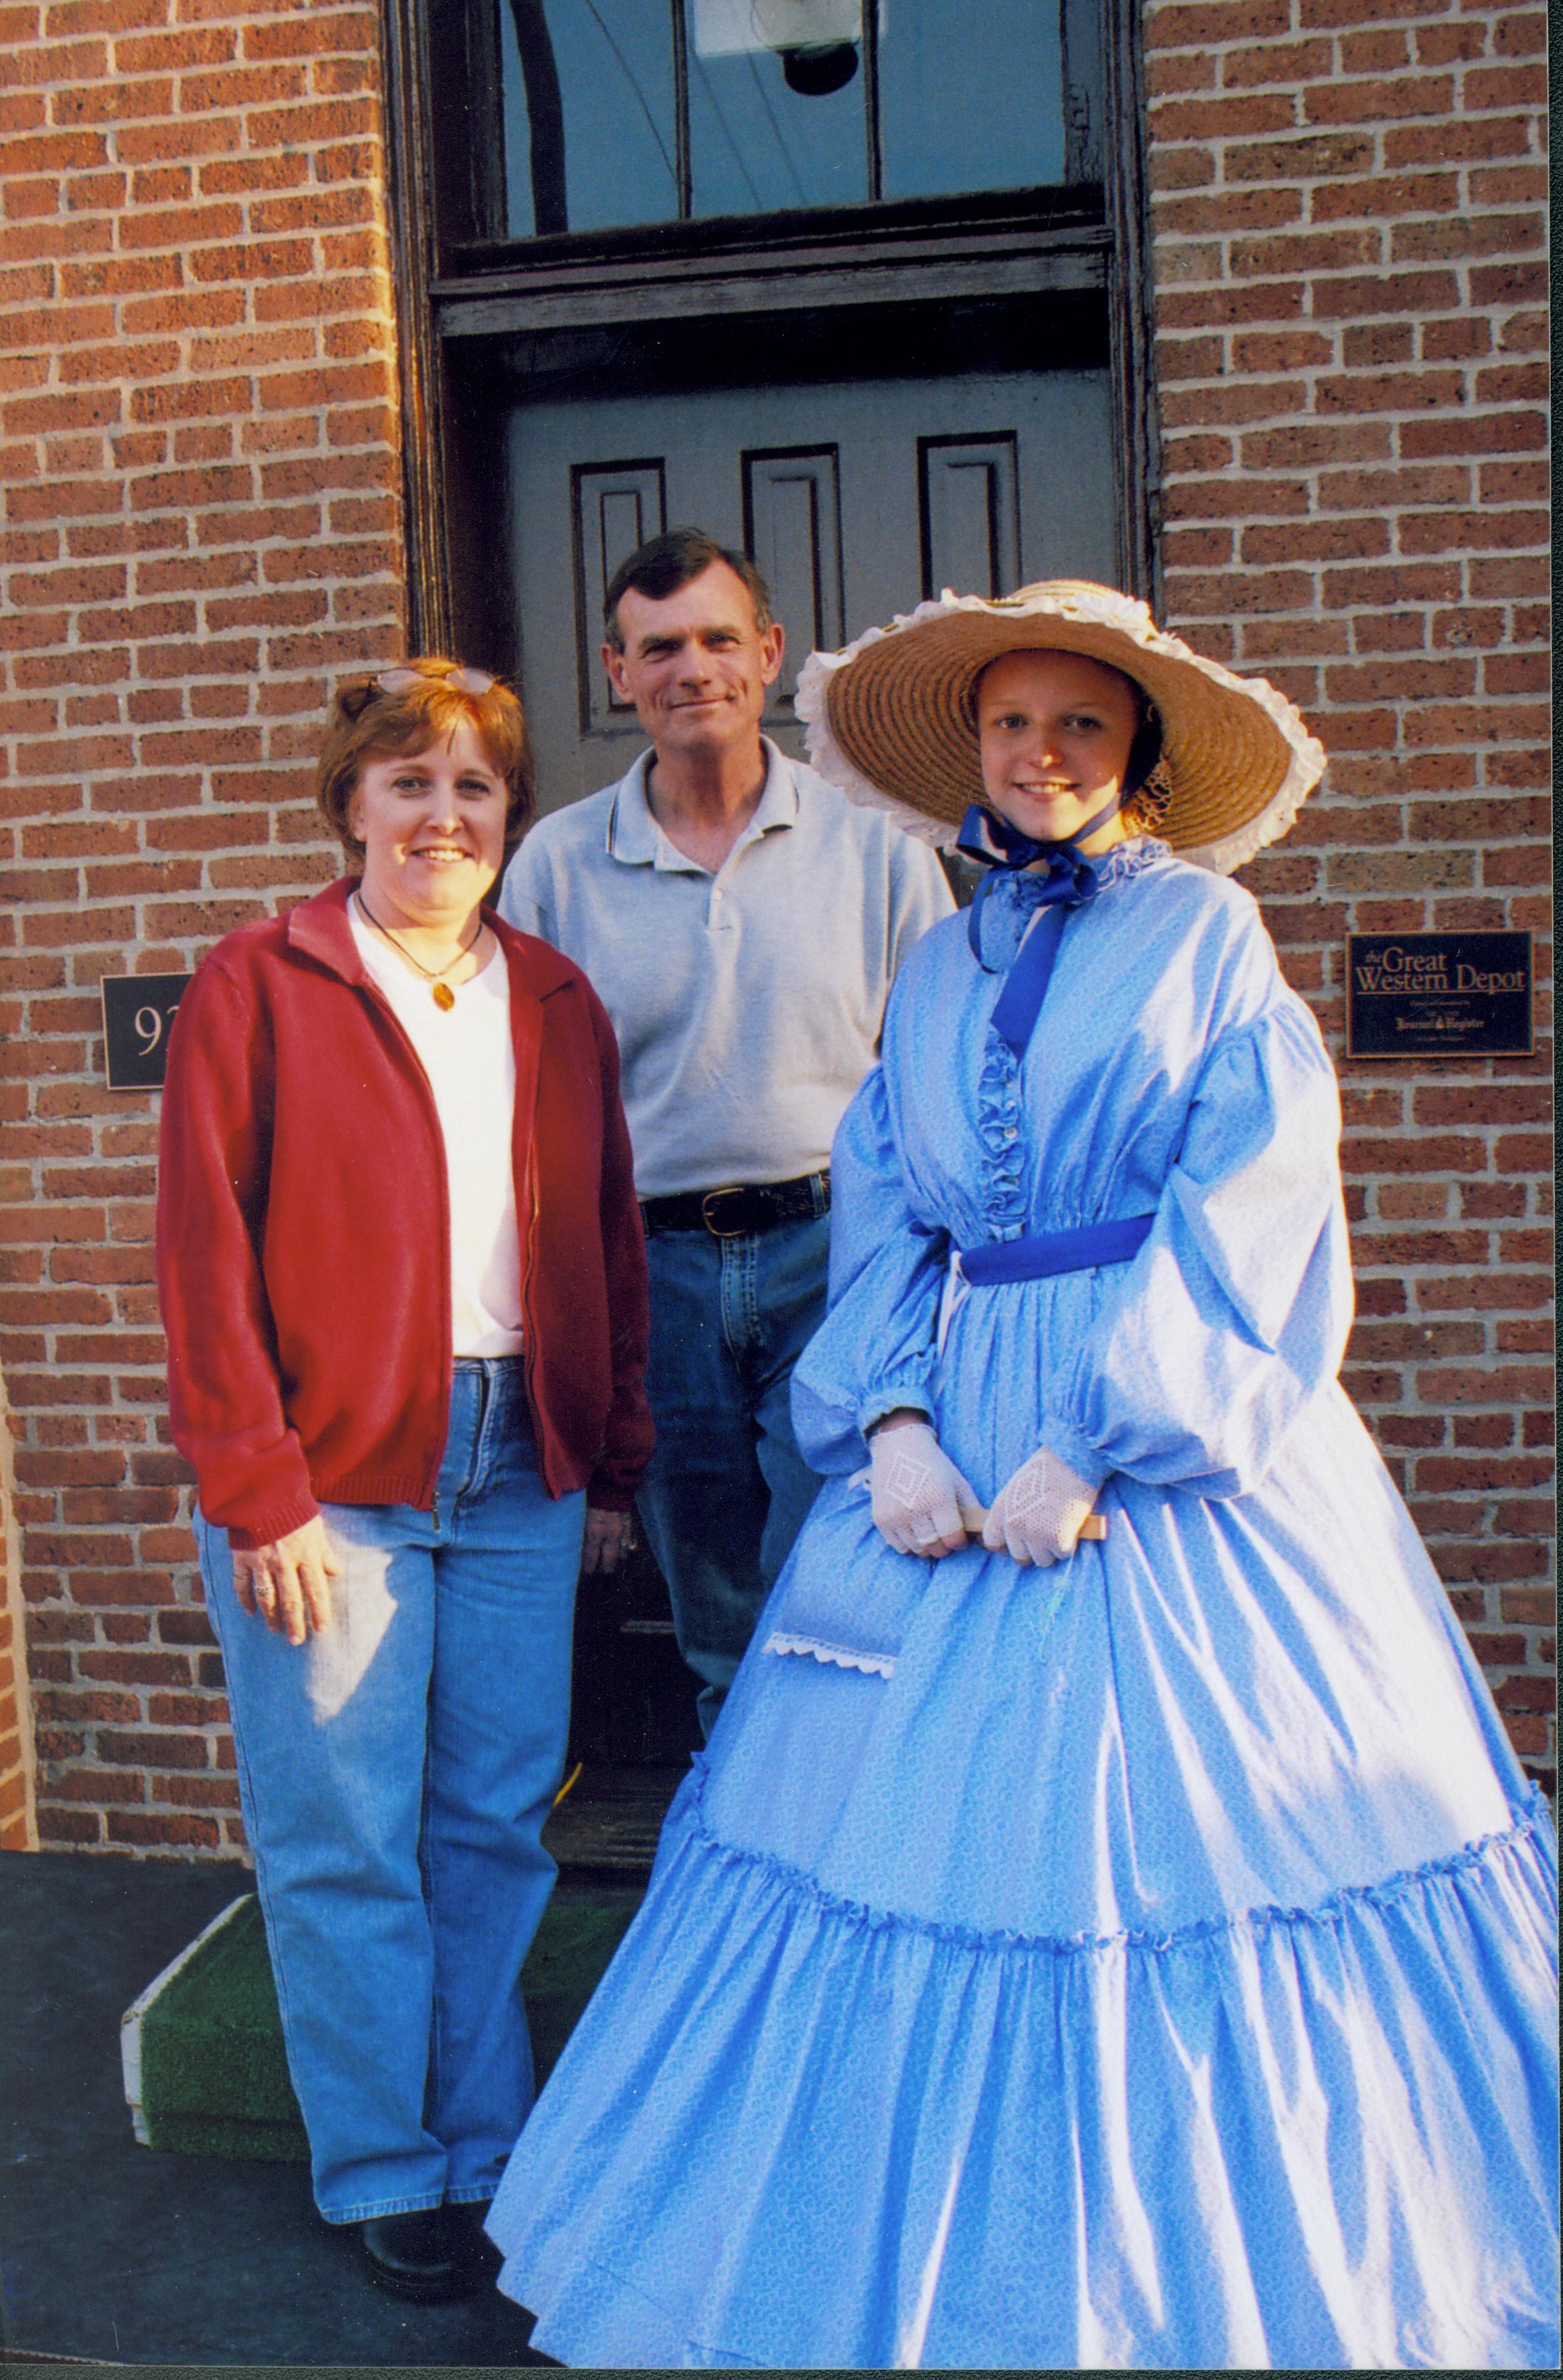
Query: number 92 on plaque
pixel 137 1011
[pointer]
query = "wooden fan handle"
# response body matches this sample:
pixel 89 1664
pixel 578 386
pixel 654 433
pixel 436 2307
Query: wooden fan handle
pixel 1093 1527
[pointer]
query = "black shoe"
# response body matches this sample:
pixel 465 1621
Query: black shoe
pixel 477 2251
pixel 415 2256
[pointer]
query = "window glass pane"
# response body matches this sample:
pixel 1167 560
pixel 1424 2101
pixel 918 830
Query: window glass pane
pixel 775 105
pixel 970 98
pixel 588 114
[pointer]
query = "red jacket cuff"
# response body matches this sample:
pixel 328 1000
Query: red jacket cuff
pixel 605 1495
pixel 272 1522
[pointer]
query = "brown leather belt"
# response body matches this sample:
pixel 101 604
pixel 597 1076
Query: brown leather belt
pixel 749 1207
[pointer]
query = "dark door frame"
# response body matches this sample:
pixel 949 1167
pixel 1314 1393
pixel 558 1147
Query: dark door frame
pixel 454 289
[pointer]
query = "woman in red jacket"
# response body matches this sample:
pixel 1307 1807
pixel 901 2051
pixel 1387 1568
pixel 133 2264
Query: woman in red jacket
pixel 403 1282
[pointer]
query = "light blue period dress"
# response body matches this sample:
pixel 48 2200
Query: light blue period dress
pixel 1145 1962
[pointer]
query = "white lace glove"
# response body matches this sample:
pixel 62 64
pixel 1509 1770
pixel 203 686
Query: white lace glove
pixel 1037 1513
pixel 917 1491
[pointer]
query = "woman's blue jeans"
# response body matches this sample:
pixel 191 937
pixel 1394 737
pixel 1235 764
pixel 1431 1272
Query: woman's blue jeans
pixel 395 1772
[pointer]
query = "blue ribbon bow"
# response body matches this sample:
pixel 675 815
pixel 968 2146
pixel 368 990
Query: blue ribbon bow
pixel 1071 879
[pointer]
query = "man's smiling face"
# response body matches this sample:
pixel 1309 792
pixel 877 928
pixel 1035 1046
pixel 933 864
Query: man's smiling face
pixel 694 663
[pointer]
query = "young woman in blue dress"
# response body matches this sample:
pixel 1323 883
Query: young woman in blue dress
pixel 1108 1926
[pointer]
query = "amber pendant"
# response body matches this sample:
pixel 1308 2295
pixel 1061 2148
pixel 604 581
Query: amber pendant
pixel 443 996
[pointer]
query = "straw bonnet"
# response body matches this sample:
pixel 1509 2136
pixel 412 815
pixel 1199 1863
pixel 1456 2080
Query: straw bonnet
pixel 891 718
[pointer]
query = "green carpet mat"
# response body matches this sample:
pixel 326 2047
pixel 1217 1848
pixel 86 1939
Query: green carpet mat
pixel 205 2071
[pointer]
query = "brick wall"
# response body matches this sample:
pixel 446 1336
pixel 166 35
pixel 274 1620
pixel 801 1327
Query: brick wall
pixel 19 1824
pixel 200 481
pixel 1350 294
pixel 200 473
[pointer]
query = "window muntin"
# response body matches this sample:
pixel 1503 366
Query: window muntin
pixel 620 113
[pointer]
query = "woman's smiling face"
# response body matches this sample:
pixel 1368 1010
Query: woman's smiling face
pixel 432 826
pixel 1055 731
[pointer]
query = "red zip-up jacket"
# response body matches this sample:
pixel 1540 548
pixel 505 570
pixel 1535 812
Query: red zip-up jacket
pixel 303 1232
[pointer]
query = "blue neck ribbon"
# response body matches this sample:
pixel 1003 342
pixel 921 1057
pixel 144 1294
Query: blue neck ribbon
pixel 1071 879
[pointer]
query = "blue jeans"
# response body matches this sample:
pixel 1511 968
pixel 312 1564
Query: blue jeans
pixel 395 1772
pixel 727 1490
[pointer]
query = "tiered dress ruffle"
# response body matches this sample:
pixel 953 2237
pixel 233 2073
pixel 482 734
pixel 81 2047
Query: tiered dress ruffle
pixel 1147 1963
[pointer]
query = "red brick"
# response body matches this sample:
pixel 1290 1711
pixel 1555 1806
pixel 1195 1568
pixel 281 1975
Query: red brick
pixel 1527 1607
pixel 184 1627
pixel 151 1829
pixel 1331 541
pixel 1514 433
pixel 198 1792
pixel 1305 157
pixel 1458 140
pixel 1348 102
pixel 55 1825
pixel 1354 296
pixel 1180 24
pixel 1351 436
pixel 139 1748
pixel 1299 446
pixel 1388 392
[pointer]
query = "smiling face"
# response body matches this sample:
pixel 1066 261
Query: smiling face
pixel 432 828
pixel 694 663
pixel 1055 731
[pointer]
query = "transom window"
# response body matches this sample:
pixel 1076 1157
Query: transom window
pixel 619 112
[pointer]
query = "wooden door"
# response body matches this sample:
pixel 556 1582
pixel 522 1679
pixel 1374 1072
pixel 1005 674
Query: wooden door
pixel 856 498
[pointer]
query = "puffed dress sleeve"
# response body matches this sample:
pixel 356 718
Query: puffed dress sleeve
pixel 1205 1351
pixel 876 1349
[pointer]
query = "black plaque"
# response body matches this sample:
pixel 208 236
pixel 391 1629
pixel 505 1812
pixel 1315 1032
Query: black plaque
pixel 1438 995
pixel 137 1011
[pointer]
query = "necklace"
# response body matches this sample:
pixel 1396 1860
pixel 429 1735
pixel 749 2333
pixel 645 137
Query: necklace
pixel 439 991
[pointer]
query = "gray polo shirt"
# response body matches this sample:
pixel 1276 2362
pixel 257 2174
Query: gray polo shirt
pixel 748 1004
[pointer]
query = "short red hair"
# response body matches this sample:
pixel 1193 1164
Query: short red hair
pixel 368 723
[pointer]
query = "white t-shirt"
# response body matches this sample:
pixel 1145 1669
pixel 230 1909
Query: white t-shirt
pixel 470 1059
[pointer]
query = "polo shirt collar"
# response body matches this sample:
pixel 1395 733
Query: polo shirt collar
pixel 634 838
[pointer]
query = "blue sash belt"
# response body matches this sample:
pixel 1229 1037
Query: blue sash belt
pixel 1050 1252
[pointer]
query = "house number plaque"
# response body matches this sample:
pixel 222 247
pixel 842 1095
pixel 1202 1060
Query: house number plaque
pixel 137 1011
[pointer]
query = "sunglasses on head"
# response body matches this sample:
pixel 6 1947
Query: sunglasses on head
pixel 357 699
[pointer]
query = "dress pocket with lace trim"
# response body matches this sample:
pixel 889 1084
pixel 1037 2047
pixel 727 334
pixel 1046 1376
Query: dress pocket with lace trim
pixel 844 1598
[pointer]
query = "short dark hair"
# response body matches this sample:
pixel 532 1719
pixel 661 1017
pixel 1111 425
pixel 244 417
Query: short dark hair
pixel 663 564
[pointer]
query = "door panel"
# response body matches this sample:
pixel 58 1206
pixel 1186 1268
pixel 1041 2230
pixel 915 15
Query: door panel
pixel 614 508
pixel 856 497
pixel 968 492
pixel 793 531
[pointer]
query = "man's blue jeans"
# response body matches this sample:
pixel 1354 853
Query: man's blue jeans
pixel 395 1772
pixel 727 1490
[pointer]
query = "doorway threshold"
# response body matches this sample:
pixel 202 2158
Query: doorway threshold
pixel 605 1829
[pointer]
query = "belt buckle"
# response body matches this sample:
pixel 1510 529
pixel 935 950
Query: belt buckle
pixel 719 1230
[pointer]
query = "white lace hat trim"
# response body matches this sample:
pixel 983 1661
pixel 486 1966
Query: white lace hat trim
pixel 889 719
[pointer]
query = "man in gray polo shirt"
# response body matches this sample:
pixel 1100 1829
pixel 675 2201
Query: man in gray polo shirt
pixel 742 924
